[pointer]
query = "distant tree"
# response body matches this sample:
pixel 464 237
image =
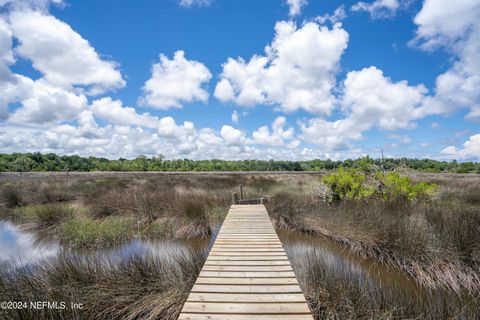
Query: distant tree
pixel 23 163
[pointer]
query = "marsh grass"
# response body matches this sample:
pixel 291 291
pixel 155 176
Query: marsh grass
pixel 141 287
pixel 10 196
pixel 436 240
pixel 341 295
pixel 82 232
pixel 45 216
pixel 96 211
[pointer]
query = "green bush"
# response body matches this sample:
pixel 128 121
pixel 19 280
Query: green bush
pixel 352 184
pixel 393 185
pixel 348 184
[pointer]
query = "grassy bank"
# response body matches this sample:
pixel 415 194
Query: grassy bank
pixel 142 287
pixel 434 239
pixel 104 211
pixel 332 294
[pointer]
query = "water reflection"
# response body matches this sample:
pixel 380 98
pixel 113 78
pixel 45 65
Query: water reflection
pixel 381 284
pixel 20 248
pixel 338 260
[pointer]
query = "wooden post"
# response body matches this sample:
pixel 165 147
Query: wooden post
pixel 234 198
pixel 241 192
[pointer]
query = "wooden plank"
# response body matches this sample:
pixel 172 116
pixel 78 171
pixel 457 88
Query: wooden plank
pixel 248 241
pixel 246 245
pixel 247 274
pixel 248 258
pixel 217 249
pixel 254 253
pixel 250 297
pixel 247 263
pixel 291 288
pixel 247 268
pixel 246 281
pixel 249 308
pixel 205 316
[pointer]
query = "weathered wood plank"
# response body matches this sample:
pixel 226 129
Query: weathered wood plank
pixel 204 316
pixel 217 249
pixel 291 288
pixel 245 281
pixel 247 263
pixel 254 253
pixel 249 308
pixel 250 297
pixel 247 268
pixel 248 258
pixel 247 274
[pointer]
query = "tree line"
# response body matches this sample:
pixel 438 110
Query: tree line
pixel 25 162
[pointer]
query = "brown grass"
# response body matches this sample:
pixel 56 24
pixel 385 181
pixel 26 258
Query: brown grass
pixel 436 241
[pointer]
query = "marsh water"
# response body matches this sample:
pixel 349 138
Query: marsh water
pixel 20 248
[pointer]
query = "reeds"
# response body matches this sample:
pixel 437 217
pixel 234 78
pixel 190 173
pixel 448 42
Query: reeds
pixel 436 241
pixel 336 294
pixel 106 211
pixel 141 287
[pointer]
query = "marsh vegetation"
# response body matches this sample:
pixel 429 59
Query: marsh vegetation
pixel 364 245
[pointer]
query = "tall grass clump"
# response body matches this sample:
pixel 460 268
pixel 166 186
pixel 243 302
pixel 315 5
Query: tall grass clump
pixel 45 216
pixel 140 287
pixel 10 196
pixel 82 232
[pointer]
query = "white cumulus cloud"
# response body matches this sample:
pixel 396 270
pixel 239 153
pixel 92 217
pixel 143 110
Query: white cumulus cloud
pixel 454 26
pixel 469 150
pixel 63 57
pixel 174 82
pixel 296 6
pixel 378 8
pixel 369 99
pixel 232 136
pixel 114 112
pixel 277 136
pixel 43 103
pixel 297 71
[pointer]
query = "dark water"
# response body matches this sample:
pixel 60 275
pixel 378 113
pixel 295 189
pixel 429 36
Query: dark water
pixel 380 285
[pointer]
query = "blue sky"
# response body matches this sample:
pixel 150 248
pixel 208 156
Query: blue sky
pixel 193 79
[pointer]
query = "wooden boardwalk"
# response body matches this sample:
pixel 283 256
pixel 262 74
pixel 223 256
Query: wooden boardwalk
pixel 247 274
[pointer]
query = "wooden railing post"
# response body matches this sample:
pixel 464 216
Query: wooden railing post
pixel 234 198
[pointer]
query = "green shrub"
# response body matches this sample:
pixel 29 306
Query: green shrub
pixel 348 184
pixel 393 186
pixel 351 184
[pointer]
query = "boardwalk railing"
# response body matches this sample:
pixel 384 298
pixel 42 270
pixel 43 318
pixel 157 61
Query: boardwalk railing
pixel 247 274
